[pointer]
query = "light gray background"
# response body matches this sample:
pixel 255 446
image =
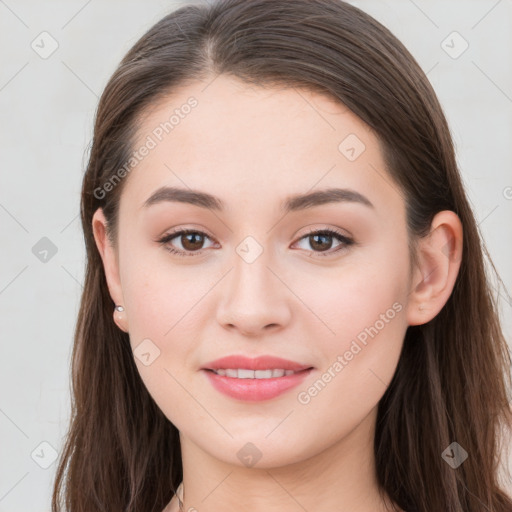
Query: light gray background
pixel 47 107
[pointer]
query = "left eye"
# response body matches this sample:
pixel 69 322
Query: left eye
pixel 317 239
pixel 191 241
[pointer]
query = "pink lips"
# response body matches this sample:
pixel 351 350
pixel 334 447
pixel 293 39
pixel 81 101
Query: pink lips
pixel 258 363
pixel 255 389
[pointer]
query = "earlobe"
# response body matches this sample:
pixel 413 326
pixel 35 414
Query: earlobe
pixel 120 318
pixel 439 257
pixel 110 266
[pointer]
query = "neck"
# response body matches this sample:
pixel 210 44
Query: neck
pixel 341 478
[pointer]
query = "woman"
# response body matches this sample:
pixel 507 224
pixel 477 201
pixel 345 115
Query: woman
pixel 285 304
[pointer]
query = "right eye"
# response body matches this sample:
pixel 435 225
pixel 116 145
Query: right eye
pixel 190 241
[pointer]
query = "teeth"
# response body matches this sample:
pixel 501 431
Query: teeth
pixel 240 373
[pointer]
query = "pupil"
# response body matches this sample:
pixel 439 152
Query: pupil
pixel 314 237
pixel 196 240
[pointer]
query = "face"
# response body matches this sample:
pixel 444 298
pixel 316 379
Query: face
pixel 322 283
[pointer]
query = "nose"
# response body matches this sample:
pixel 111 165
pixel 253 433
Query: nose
pixel 254 299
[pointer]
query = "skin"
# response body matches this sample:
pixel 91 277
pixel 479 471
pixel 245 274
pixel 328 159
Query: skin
pixel 253 147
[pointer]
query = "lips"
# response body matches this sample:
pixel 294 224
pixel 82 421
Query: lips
pixel 259 363
pixel 236 379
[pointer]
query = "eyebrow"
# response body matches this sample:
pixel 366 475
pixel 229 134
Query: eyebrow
pixel 290 204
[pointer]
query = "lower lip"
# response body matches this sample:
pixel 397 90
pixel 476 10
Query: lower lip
pixel 255 389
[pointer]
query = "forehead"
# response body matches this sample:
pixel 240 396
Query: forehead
pixel 249 144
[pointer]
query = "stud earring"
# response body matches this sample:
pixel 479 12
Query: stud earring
pixel 120 309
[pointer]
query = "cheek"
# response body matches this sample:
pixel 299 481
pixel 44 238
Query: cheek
pixel 162 303
pixel 167 306
pixel 163 331
pixel 348 299
pixel 156 292
pixel 359 337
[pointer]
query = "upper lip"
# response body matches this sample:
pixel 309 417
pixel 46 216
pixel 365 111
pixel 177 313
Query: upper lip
pixel 259 363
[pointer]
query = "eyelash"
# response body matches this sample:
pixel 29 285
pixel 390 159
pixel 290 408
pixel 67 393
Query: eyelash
pixel 346 242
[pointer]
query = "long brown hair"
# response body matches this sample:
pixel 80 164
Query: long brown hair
pixel 121 452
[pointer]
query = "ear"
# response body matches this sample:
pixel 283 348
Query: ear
pixel 111 266
pixel 439 256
